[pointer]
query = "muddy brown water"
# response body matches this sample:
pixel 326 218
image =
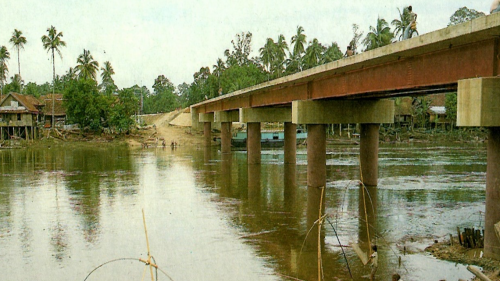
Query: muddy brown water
pixel 66 210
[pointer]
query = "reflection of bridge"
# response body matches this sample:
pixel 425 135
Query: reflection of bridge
pixel 355 90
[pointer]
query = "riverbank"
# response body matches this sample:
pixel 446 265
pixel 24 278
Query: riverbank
pixel 456 253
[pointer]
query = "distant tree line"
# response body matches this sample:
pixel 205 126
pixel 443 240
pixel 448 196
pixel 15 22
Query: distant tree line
pixel 95 105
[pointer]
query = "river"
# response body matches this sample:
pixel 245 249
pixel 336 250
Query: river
pixel 66 210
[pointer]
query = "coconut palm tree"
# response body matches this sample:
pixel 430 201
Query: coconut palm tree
pixel 298 41
pixel 4 56
pixel 87 67
pixel 107 80
pixel 281 46
pixel 401 23
pixel 378 36
pixel 267 54
pixel 314 54
pixel 53 42
pixel 219 67
pixel 18 41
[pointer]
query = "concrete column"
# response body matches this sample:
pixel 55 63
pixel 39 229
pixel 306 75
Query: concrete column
pixel 368 150
pixel 290 143
pixel 207 133
pixel 316 178
pixel 225 137
pixel 195 119
pixel 253 143
pixel 491 241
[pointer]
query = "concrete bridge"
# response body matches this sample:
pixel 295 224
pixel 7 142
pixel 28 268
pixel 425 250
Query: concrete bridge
pixel 463 58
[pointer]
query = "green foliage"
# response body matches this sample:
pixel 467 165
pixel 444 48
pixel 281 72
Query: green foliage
pixel 122 111
pixel 4 69
pixel 86 65
pixel 18 41
pixel 240 77
pixel 464 14
pixel 451 107
pixel 81 100
pixel 163 98
pixel 401 23
pixel 420 106
pixel 379 36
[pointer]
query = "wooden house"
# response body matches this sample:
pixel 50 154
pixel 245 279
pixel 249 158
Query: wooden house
pixel 59 110
pixel 18 116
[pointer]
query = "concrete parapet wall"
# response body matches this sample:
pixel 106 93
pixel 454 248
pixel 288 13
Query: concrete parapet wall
pixel 478 103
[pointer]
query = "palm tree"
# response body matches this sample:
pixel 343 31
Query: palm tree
pixel 107 72
pixel 401 23
pixel 332 53
pixel 4 56
pixel 299 40
pixel 219 67
pixel 314 54
pixel 267 54
pixel 378 36
pixel 52 42
pixel 18 41
pixel 87 67
pixel 281 46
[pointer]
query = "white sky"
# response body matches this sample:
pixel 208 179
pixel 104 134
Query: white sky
pixel 143 39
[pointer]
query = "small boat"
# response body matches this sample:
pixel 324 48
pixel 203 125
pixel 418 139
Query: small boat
pixel 268 139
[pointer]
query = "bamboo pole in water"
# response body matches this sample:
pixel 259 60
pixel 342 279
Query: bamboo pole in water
pixel 147 243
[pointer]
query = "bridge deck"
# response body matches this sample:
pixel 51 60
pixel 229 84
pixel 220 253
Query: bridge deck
pixel 430 63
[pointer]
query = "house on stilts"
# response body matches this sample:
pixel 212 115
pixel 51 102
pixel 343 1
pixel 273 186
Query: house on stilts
pixel 19 115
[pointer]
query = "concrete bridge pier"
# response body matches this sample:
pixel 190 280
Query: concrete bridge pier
pixel 253 143
pixel 207 119
pixel 290 148
pixel 226 118
pixel 477 106
pixel 254 117
pixel 368 153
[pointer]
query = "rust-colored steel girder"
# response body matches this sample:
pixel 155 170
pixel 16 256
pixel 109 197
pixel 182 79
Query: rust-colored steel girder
pixel 396 75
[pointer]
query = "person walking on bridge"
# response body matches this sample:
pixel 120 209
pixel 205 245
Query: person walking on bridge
pixel 495 6
pixel 412 26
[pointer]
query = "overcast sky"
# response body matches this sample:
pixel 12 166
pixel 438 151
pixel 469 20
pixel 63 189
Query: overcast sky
pixel 143 39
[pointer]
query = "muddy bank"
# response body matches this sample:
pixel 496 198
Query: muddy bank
pixel 457 253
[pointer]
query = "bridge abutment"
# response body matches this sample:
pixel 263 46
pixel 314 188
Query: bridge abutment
pixel 478 105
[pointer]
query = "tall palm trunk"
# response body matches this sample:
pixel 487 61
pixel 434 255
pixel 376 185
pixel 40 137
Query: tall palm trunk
pixel 53 88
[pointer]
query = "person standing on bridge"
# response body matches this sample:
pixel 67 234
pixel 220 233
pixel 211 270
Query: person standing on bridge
pixel 412 26
pixel 349 51
pixel 495 6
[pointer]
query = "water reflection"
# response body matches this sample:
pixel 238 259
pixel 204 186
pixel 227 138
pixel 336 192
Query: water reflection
pixel 212 216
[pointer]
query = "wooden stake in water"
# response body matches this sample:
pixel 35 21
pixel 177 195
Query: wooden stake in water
pixel 148 261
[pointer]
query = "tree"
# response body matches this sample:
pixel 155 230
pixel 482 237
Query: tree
pixel 219 67
pixel 53 42
pixel 355 38
pixel 4 56
pixel 378 36
pixel 451 107
pixel 401 23
pixel 464 14
pixel 82 103
pixel 87 67
pixel 267 54
pixel 298 41
pixel 281 46
pixel 314 54
pixel 122 111
pixel 332 53
pixel 18 41
pixel 242 48
pixel 108 84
